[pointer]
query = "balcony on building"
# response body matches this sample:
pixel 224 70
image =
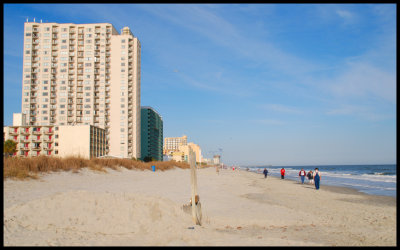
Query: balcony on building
pixel 48 131
pixel 24 140
pixel 25 131
pixel 13 131
pixel 35 139
pixel 36 132
pixel 48 139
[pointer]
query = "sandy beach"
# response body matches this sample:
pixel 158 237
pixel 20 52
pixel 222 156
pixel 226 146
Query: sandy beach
pixel 141 208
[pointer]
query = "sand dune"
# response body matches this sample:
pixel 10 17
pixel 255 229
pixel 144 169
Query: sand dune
pixel 139 208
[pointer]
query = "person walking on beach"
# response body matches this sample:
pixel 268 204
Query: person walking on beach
pixel 265 173
pixel 283 173
pixel 310 177
pixel 302 175
pixel 317 178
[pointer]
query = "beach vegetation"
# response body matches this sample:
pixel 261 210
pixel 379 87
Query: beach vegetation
pixel 30 167
pixel 10 147
pixel 148 159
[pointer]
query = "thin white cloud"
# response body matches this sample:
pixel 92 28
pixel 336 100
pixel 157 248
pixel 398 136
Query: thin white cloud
pixel 208 23
pixel 214 85
pixel 347 15
pixel 282 109
pixel 273 122
pixel 365 81
pixel 363 112
pixel 336 13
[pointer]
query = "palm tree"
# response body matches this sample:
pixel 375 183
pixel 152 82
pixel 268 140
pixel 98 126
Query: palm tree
pixel 10 147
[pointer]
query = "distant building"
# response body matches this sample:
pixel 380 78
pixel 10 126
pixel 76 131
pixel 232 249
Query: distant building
pixel 182 154
pixel 151 134
pixel 86 141
pixel 208 161
pixel 217 159
pixel 171 144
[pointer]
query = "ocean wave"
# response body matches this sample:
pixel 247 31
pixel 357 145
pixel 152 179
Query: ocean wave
pixel 377 183
pixel 368 187
pixel 382 173
pixel 376 176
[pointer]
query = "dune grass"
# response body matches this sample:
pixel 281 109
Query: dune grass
pixel 30 167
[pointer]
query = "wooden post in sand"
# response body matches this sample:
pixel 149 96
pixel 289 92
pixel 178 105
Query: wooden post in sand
pixel 196 208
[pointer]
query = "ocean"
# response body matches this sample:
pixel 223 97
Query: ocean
pixel 370 179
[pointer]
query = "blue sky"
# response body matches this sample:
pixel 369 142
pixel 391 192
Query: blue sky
pixel 280 84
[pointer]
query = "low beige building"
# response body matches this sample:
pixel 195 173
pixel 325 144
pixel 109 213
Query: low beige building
pixel 32 140
pixel 86 141
pixel 182 154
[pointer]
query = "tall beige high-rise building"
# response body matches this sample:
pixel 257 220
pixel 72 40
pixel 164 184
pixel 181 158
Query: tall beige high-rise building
pixel 84 74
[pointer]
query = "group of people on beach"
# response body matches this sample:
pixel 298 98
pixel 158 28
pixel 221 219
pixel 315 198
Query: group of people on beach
pixel 313 177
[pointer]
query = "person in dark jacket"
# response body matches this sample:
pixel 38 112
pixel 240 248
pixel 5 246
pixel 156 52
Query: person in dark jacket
pixel 310 177
pixel 265 173
pixel 317 178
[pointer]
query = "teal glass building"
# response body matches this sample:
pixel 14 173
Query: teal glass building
pixel 151 134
